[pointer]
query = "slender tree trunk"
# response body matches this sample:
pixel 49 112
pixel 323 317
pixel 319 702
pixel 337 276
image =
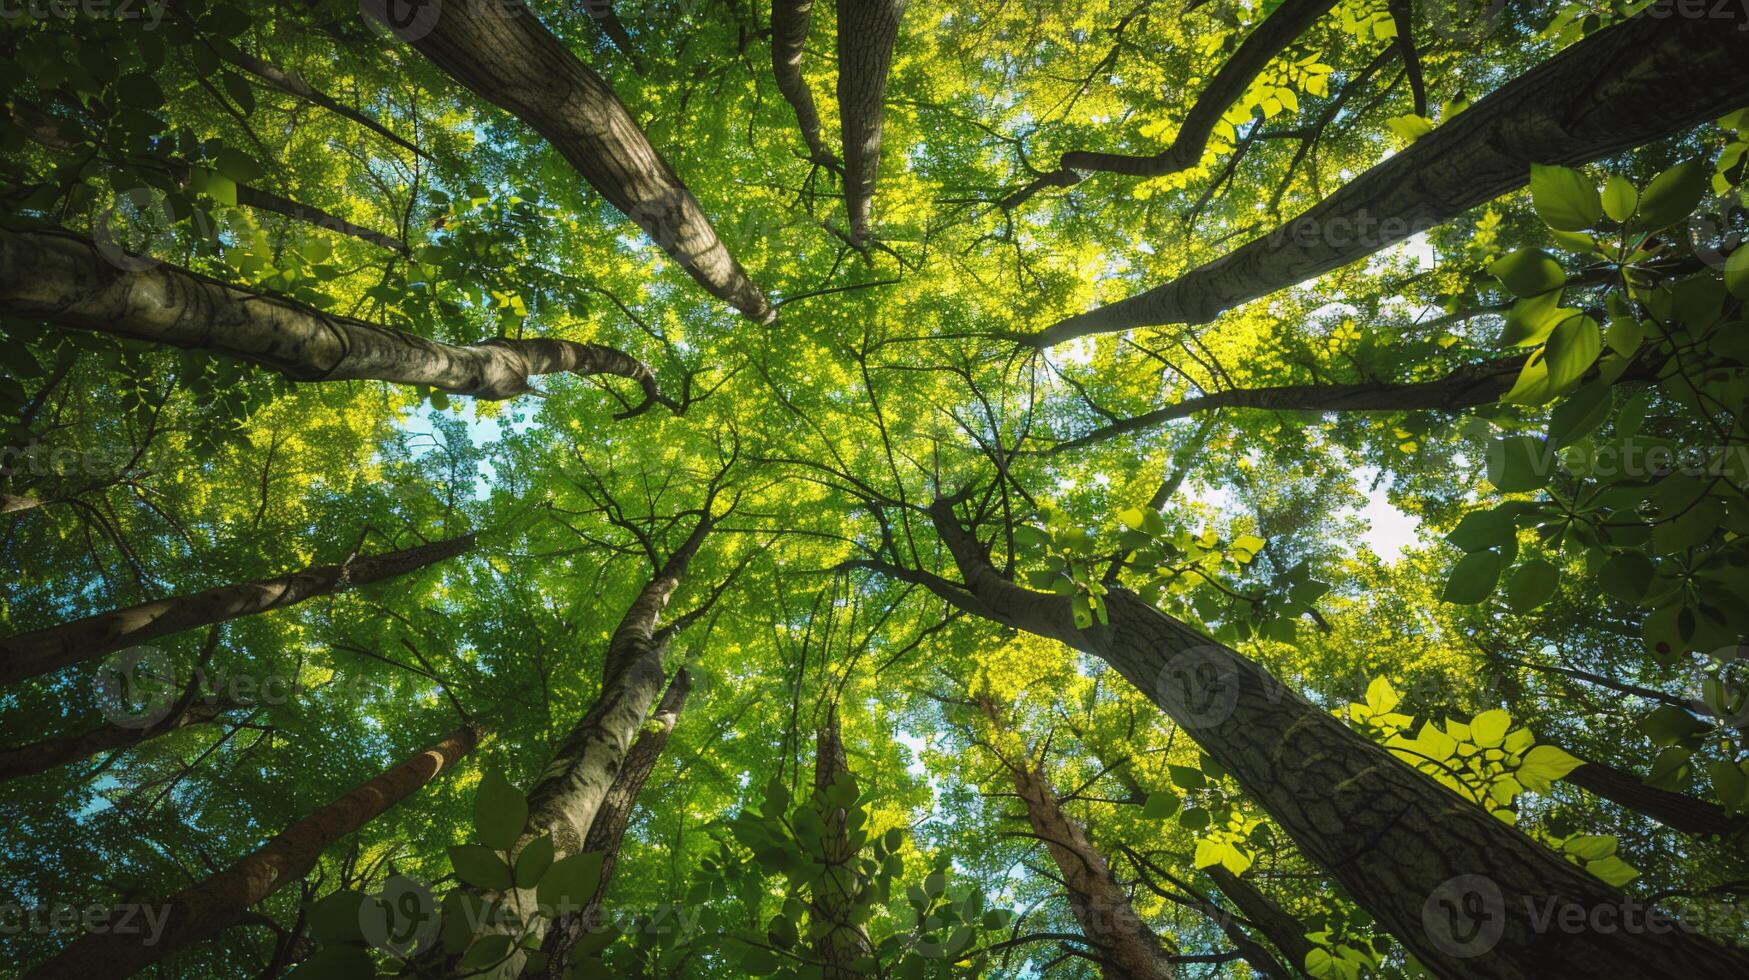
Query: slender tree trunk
pixel 1652 76
pixel 1126 947
pixel 70 281
pixel 571 791
pixel 607 830
pixel 10 504
pixel 1678 811
pixel 601 11
pixel 789 33
pixel 202 911
pixel 1468 895
pixel 26 760
pixel 291 83
pixel 841 944
pixel 500 51
pixel 55 647
pixel 1283 931
pixel 866 32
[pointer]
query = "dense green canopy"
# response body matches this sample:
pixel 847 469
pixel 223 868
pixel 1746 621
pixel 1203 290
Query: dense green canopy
pixel 997 488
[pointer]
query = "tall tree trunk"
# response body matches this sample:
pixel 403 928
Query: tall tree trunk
pixel 1283 931
pixel 866 32
pixel 572 789
pixel 1468 895
pixel 1126 947
pixel 789 33
pixel 55 647
pixel 27 760
pixel 203 910
pixel 1678 811
pixel 68 280
pixel 1650 77
pixel 607 830
pixel 841 944
pixel 500 51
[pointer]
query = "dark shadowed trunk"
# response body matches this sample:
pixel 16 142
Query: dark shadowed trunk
pixel 500 51
pixel 1283 931
pixel 866 32
pixel 608 829
pixel 842 944
pixel 789 33
pixel 1400 843
pixel 1622 87
pixel 55 647
pixel 1678 811
pixel 601 12
pixel 74 282
pixel 25 760
pixel 203 910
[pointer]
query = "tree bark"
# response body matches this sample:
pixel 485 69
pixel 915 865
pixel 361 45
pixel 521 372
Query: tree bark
pixel 1126 947
pixel 867 30
pixel 68 280
pixel 1283 931
pixel 841 946
pixel 789 32
pixel 27 760
pixel 203 910
pixel 1468 895
pixel 500 51
pixel 1652 76
pixel 1465 387
pixel 52 648
pixel 607 830
pixel 572 789
pixel 1678 811
pixel 11 504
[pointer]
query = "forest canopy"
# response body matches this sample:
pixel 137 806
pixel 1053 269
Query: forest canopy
pixel 687 488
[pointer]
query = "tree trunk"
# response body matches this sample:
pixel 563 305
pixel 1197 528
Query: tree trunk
pixel 1468 895
pixel 500 51
pixel 1465 387
pixel 607 830
pixel 1652 76
pixel 601 11
pixel 69 280
pixel 841 944
pixel 1283 931
pixel 203 910
pixel 789 32
pixel 27 760
pixel 55 647
pixel 10 504
pixel 1678 811
pixel 866 32
pixel 571 791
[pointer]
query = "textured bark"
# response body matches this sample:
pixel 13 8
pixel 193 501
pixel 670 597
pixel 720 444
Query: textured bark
pixel 841 945
pixel 601 11
pixel 789 32
pixel 571 790
pixel 1126 947
pixel 55 647
pixel 1402 845
pixel 203 910
pixel 1471 385
pixel 67 280
pixel 1678 811
pixel 26 760
pixel 866 32
pixel 499 50
pixel 12 504
pixel 1283 931
pixel 1649 77
pixel 607 830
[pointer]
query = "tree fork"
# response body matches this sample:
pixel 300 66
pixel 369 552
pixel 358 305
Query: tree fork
pixel 202 911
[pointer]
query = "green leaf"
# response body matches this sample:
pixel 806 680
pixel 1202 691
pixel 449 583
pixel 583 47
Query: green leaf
pixel 335 918
pixel 1579 415
pixel 1564 198
pixel 1737 272
pixel 571 882
pixel 488 950
pixel 1572 349
pixel 237 165
pixel 1160 806
pixel 1626 575
pixel 1673 194
pixel 1517 464
pixel 1473 578
pixel 1544 764
pixel 336 963
pixel 480 866
pixel 1670 725
pixel 1528 272
pixel 500 810
pixel 1531 585
pixel 533 861
pixel 1626 333
pixel 1133 518
pixel 1619 198
pixel 1186 777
